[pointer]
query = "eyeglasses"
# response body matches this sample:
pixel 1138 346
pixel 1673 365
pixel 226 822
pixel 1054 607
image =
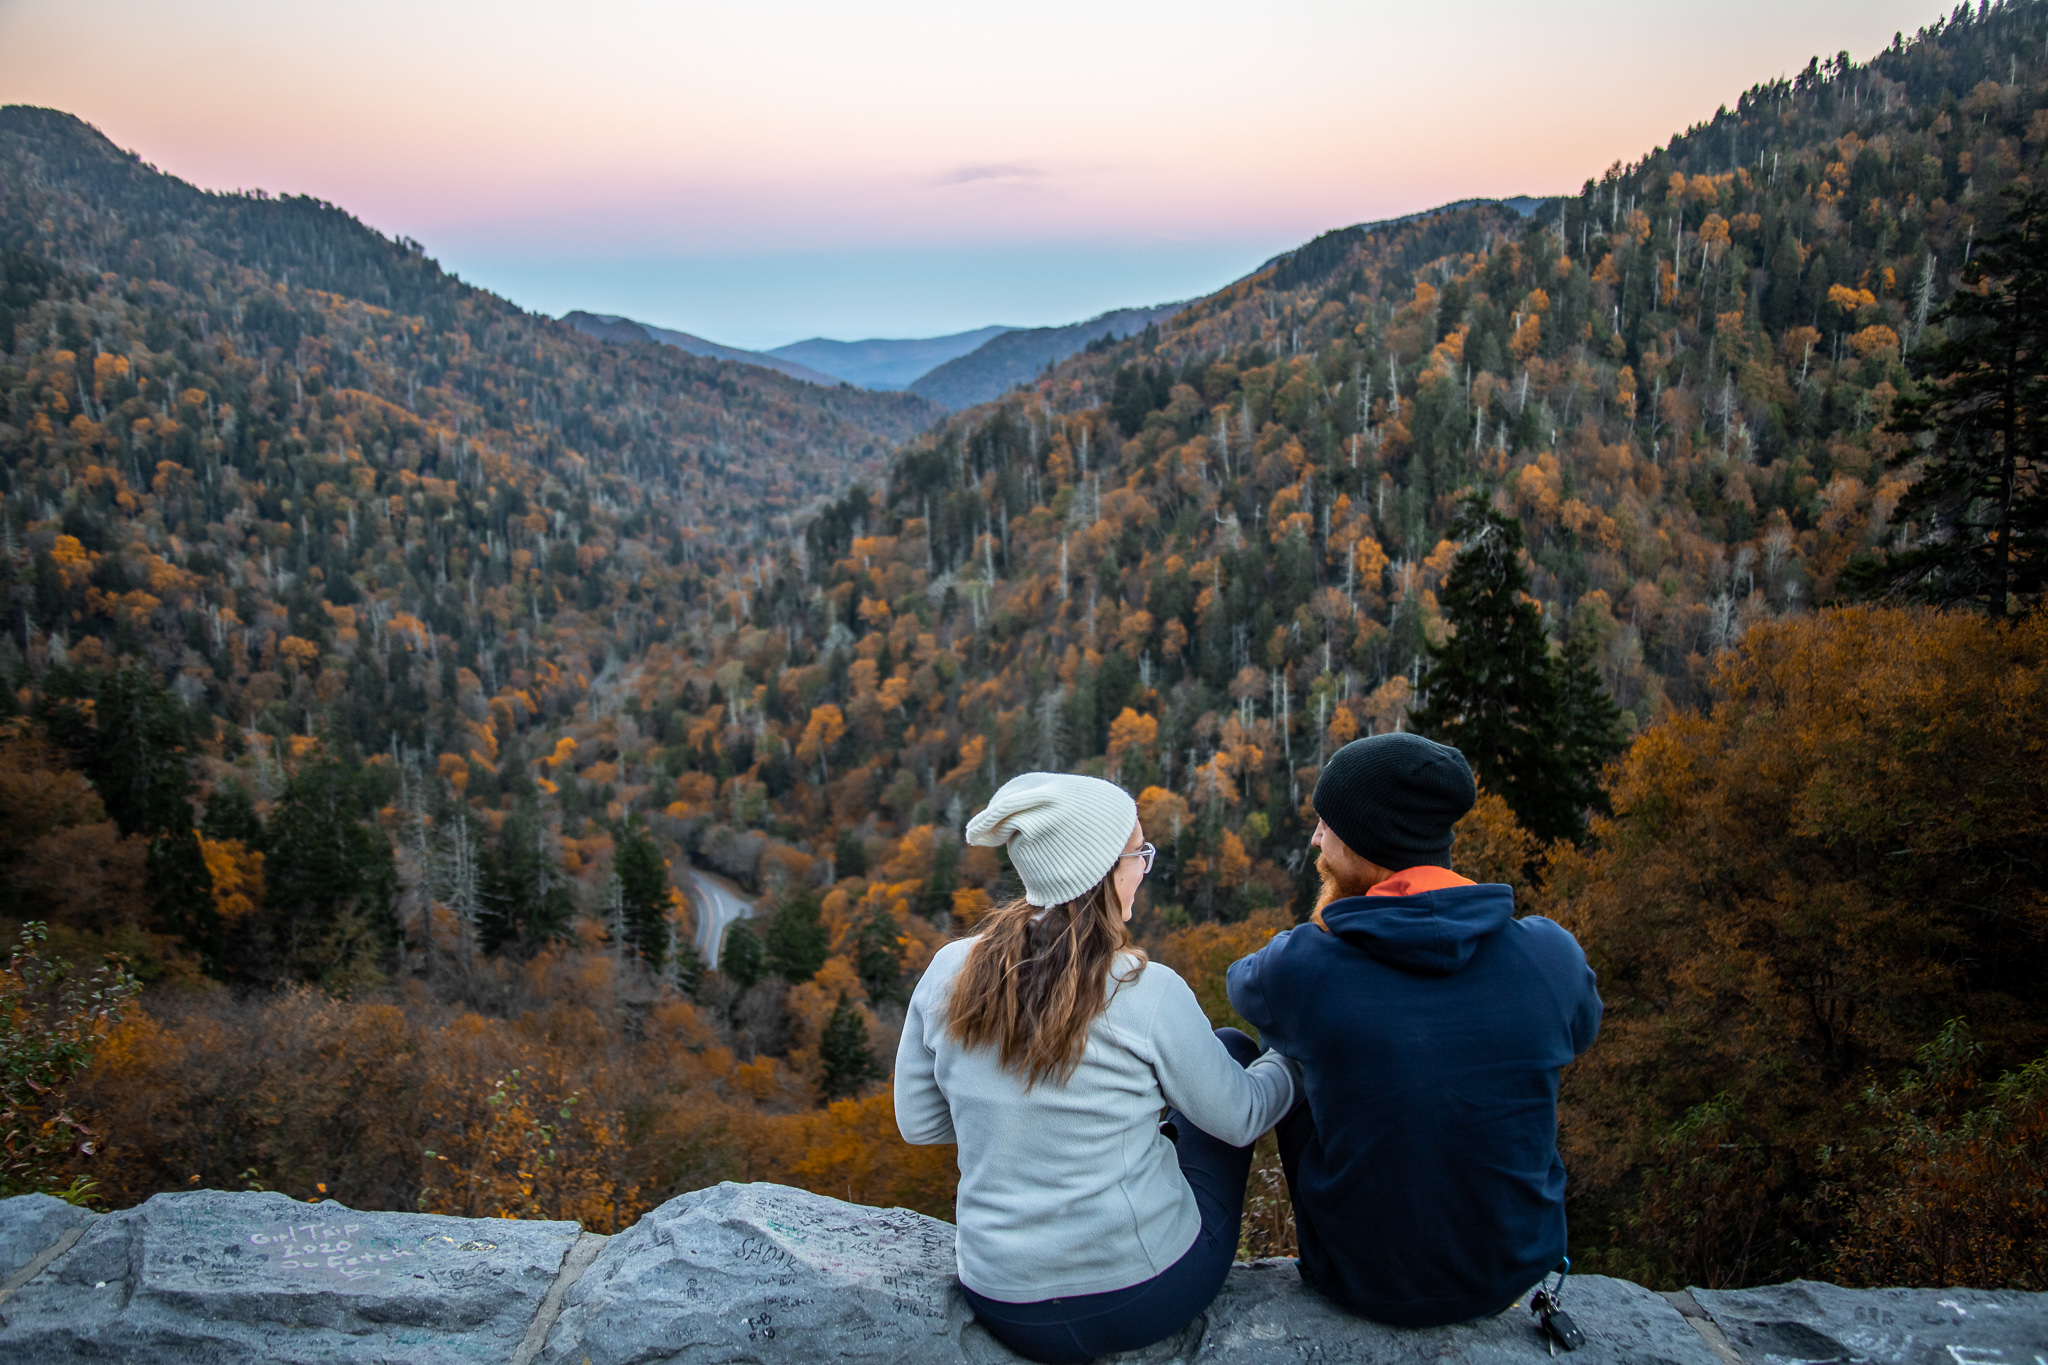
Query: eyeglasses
pixel 1145 851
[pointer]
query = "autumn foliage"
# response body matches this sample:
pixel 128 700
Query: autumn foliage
pixel 1798 889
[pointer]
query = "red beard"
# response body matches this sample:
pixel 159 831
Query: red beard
pixel 1336 886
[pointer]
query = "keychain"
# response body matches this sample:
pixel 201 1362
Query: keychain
pixel 1556 1325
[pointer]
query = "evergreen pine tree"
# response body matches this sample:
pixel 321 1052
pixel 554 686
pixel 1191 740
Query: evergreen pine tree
pixel 850 854
pixel 1491 690
pixel 230 814
pixel 328 878
pixel 847 1061
pixel 936 897
pixel 1979 505
pixel 1294 574
pixel 796 940
pixel 1781 302
pixel 685 966
pixel 131 736
pixel 879 959
pixel 1536 727
pixel 1589 732
pixel 525 899
pixel 741 958
pixel 643 890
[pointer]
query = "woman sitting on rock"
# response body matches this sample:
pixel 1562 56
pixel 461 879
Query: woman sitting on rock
pixel 1047 1046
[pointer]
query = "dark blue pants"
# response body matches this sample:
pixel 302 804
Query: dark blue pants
pixel 1081 1327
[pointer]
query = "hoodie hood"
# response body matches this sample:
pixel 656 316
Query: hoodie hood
pixel 1433 933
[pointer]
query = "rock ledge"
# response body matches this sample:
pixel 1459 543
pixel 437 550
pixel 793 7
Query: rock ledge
pixel 765 1274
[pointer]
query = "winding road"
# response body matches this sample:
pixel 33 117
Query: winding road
pixel 718 903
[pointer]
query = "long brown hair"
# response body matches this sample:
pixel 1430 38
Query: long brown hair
pixel 1034 982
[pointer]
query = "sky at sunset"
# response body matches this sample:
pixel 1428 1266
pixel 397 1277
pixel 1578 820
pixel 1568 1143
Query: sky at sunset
pixel 765 172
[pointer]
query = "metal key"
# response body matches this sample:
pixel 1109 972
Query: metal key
pixel 1558 1325
pixel 1552 1321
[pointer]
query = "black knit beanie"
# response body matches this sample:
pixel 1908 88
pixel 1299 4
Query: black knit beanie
pixel 1393 799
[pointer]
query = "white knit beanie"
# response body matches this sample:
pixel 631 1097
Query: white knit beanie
pixel 1064 833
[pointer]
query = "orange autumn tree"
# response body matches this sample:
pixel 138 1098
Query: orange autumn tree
pixel 825 728
pixel 1795 891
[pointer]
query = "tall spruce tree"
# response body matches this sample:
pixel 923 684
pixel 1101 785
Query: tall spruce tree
pixel 1978 510
pixel 1589 732
pixel 685 966
pixel 879 958
pixel 741 958
pixel 525 900
pixel 936 897
pixel 845 1057
pixel 643 891
pixel 1490 688
pixel 328 879
pixel 230 814
pixel 796 944
pixel 850 854
pixel 133 738
pixel 1535 727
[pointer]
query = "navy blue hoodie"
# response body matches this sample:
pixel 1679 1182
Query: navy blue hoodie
pixel 1430 1029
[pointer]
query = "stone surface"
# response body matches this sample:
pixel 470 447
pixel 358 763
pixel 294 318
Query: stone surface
pixel 214 1276
pixel 30 1224
pixel 1811 1323
pixel 765 1274
pixel 1265 1316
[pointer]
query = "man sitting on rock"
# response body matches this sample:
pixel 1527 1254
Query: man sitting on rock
pixel 1430 1025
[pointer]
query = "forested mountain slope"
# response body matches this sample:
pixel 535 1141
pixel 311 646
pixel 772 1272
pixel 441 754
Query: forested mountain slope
pixel 255 278
pixel 298 467
pixel 1677 379
pixel 1232 525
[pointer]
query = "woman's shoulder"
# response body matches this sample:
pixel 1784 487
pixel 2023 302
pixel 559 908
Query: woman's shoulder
pixel 935 987
pixel 947 962
pixel 1137 978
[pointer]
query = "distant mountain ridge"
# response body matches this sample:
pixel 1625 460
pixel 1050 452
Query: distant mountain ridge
pixel 1004 362
pixel 957 371
pixel 610 327
pixel 881 363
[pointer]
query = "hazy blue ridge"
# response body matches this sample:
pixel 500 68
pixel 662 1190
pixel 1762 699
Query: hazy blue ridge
pixel 1003 362
pixel 606 327
pixel 879 363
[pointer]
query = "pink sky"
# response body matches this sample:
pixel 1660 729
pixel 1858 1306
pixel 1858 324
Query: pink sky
pixel 759 173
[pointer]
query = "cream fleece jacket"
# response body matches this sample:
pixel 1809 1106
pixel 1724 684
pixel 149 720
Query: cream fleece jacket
pixel 1072 1189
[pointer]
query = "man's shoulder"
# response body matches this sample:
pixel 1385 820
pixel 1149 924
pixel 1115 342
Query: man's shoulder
pixel 1548 951
pixel 1545 935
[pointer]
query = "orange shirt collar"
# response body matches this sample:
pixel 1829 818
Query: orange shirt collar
pixel 1414 881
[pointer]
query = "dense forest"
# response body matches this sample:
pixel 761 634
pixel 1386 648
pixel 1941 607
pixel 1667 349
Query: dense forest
pixel 389 812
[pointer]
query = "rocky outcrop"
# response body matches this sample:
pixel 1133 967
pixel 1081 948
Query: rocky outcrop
pixel 769 1275
pixel 31 1227
pixel 764 1274
pixel 1825 1323
pixel 213 1276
